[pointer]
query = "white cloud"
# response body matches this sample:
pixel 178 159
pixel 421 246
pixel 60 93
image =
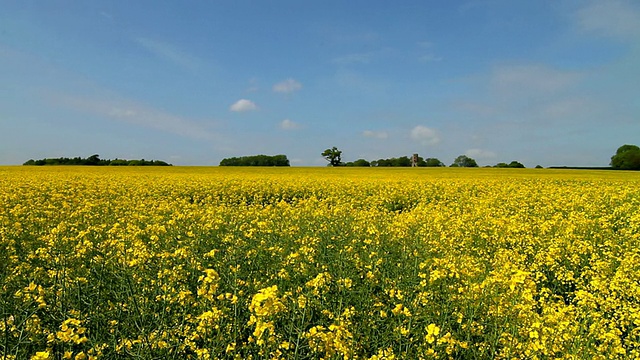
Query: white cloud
pixel 375 134
pixel 425 135
pixel 480 154
pixel 287 86
pixel 616 18
pixel 287 124
pixel 243 105
pixel 169 52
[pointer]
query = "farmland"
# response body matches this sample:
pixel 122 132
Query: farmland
pixel 299 263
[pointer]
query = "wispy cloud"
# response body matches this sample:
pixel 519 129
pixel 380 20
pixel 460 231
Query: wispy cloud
pixel 356 58
pixel 480 154
pixel 253 85
pixel 115 108
pixel 355 80
pixel 430 58
pixel 614 18
pixel 375 134
pixel 106 15
pixel 523 90
pixel 169 53
pixel 567 108
pixel 428 55
pixel 243 105
pixel 527 93
pixel 510 79
pixel 476 108
pixel 335 35
pixel 425 135
pixel 287 124
pixel 287 86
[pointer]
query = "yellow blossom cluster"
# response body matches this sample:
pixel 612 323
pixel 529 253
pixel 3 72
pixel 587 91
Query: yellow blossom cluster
pixel 333 263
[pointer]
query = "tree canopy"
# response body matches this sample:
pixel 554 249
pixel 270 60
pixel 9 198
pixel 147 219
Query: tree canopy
pixel 256 160
pixel 627 157
pixel 464 161
pixel 333 156
pixel 432 162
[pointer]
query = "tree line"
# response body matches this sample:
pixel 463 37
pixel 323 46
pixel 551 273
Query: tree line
pixel 627 157
pixel 94 160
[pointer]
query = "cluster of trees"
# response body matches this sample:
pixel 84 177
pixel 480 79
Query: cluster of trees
pixel 627 157
pixel 94 160
pixel 256 160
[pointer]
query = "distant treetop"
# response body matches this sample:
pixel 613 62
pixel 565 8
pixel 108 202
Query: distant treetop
pixel 256 160
pixel 464 161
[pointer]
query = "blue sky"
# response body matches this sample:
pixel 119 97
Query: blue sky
pixel 549 82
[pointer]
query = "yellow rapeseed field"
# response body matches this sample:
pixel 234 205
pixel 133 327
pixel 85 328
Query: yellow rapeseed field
pixel 306 263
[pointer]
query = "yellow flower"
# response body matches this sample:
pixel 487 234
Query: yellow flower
pixel 432 332
pixel 41 355
pixel 302 301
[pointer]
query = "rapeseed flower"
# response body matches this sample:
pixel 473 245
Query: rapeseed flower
pixel 285 263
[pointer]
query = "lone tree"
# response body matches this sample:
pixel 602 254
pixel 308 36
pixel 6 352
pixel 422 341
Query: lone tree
pixel 464 161
pixel 333 156
pixel 626 158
